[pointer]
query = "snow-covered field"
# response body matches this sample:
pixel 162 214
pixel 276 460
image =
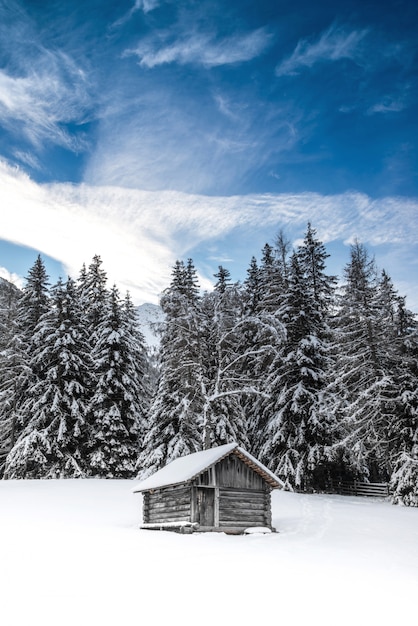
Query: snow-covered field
pixel 72 553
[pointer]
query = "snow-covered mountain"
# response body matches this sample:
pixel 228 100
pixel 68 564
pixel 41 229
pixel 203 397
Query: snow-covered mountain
pixel 149 317
pixel 9 295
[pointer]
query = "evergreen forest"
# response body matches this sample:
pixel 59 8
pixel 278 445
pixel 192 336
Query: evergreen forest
pixel 314 376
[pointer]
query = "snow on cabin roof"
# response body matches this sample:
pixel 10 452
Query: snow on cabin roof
pixel 186 468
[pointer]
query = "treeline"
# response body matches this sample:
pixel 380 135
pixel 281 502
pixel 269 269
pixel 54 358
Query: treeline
pixel 75 379
pixel 317 380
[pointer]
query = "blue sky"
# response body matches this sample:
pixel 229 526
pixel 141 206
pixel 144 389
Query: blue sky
pixel 151 130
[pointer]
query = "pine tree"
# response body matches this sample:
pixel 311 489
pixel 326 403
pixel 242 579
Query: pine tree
pixel 53 441
pixel 363 383
pixel 223 384
pixel 223 279
pixel 11 367
pixel 35 300
pixel 139 375
pixel 297 431
pixel 312 257
pixel 116 408
pixel 252 290
pixel 93 294
pixel 403 429
pixel 264 288
pixel 175 422
pixel 21 372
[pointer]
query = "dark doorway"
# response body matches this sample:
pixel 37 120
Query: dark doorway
pixel 206 506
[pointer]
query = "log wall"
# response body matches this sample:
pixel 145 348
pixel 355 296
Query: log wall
pixel 171 504
pixel 244 508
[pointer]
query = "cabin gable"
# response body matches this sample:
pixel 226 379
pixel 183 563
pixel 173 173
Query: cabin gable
pixel 234 473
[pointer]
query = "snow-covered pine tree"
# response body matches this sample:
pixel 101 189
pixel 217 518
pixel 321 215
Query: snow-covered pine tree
pixel 11 366
pixel 312 257
pixel 35 299
pixel 268 333
pixel 140 381
pixel 403 428
pixel 223 383
pixel 251 291
pixel 296 435
pixel 175 421
pixel 223 277
pixel 237 341
pixel 21 372
pixel 271 280
pixel 53 442
pixel 93 295
pixel 364 385
pixel 116 407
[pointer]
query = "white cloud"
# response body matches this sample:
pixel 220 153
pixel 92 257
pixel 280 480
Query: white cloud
pixel 201 48
pixel 146 5
pixel 333 45
pixel 168 139
pixel 140 5
pixel 388 105
pixel 47 93
pixel 140 234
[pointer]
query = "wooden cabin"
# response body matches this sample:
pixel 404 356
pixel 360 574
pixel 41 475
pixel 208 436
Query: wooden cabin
pixel 222 489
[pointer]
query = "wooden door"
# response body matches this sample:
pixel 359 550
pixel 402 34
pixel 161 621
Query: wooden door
pixel 206 506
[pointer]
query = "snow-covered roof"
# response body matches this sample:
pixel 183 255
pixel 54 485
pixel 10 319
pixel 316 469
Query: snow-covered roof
pixel 185 468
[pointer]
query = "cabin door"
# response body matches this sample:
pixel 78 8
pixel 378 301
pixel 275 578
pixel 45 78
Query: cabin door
pixel 206 506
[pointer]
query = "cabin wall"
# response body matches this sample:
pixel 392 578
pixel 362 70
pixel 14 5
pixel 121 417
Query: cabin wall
pixel 244 496
pixel 171 504
pixel 241 508
pixel 231 472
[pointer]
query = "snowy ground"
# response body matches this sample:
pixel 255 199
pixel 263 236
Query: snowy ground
pixel 72 554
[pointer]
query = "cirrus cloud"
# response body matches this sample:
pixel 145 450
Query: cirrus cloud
pixel 200 48
pixel 333 45
pixel 139 234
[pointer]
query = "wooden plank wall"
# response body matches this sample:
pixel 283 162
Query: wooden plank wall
pixel 167 505
pixel 244 508
pixel 232 472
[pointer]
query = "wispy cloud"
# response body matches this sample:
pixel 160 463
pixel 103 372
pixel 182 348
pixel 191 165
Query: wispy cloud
pixel 28 158
pixel 44 98
pixel 139 234
pixel 333 45
pixel 388 105
pixel 200 48
pixel 170 139
pixel 140 5
pixel 146 5
pixel 43 89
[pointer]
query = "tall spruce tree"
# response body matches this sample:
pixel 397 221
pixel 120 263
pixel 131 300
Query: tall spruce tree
pixel 363 383
pixel 175 421
pixel 296 434
pixel 11 367
pixel 116 408
pixel 93 294
pixel 21 373
pixel 402 346
pixel 265 288
pixel 53 442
